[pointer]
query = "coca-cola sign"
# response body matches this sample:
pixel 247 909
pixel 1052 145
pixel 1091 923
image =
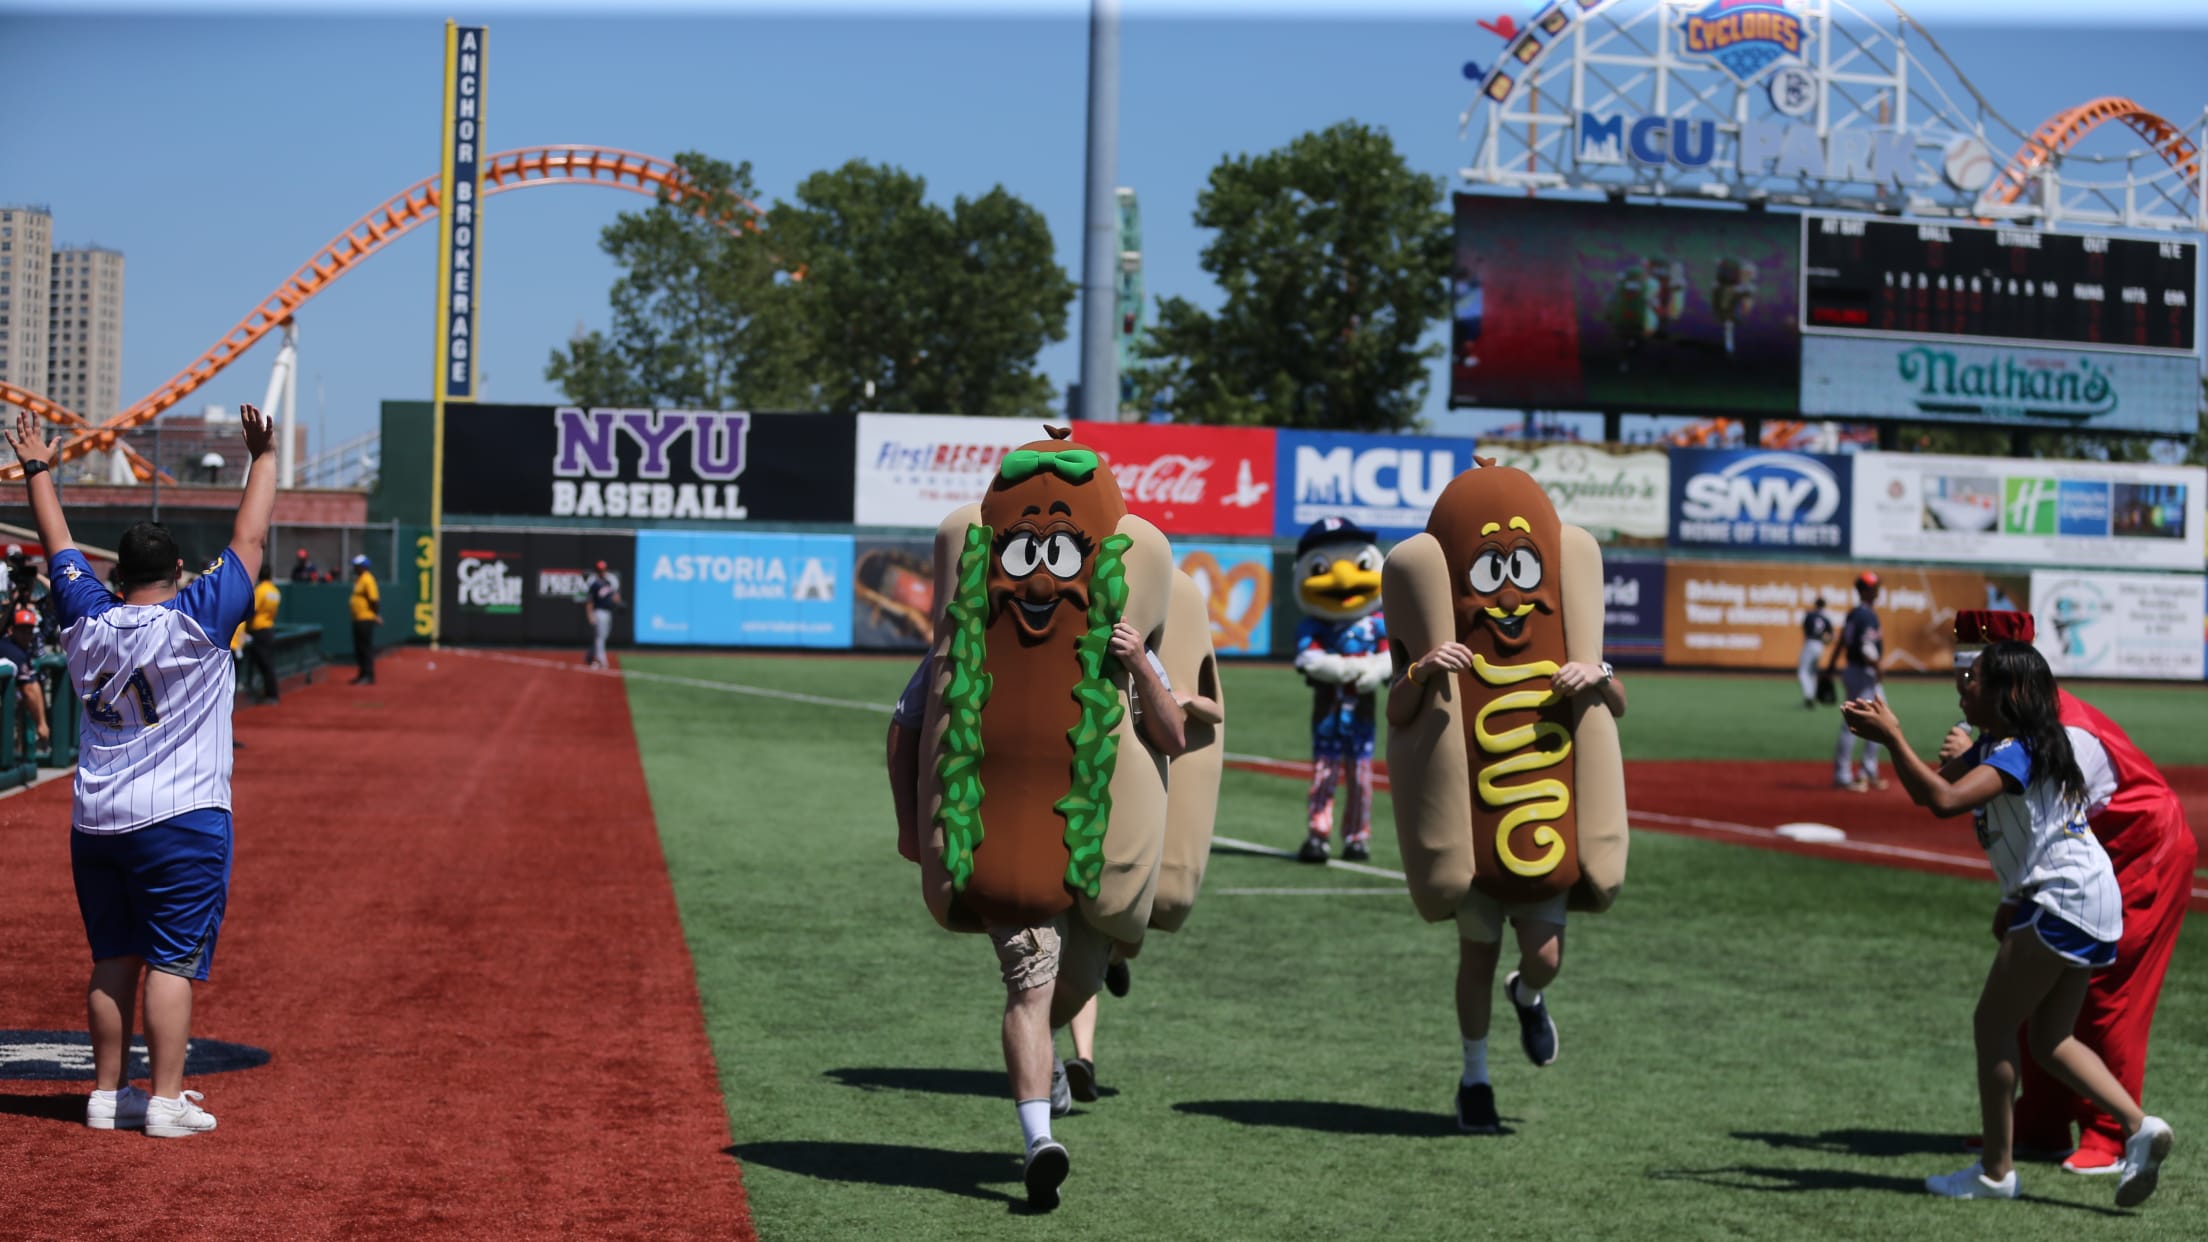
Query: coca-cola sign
pixel 1190 480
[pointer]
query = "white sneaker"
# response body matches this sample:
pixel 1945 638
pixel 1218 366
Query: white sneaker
pixel 178 1118
pixel 1972 1183
pixel 2144 1153
pixel 1046 1171
pixel 121 1109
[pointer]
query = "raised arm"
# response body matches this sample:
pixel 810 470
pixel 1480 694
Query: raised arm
pixel 1956 787
pixel 28 439
pixel 249 533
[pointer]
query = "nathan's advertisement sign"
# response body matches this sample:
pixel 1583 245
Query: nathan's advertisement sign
pixel 912 470
pixel 1948 381
pixel 1617 494
pixel 1759 498
pixel 1633 612
pixel 743 590
pixel 1237 581
pixel 528 586
pixel 648 466
pixel 2119 625
pixel 1925 507
pixel 893 593
pixel 1387 484
pixel 1190 480
pixel 1748 614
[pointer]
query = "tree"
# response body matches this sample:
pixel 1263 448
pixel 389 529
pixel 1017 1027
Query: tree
pixel 938 311
pixel 696 317
pixel 1334 257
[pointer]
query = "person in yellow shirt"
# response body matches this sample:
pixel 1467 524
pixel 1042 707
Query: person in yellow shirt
pixel 260 633
pixel 367 615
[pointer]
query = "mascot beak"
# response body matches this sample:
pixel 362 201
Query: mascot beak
pixel 1344 586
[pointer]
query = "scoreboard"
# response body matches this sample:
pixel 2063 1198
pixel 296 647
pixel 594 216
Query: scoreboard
pixel 1892 278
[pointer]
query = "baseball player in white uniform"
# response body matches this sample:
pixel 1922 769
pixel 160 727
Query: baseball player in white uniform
pixel 150 845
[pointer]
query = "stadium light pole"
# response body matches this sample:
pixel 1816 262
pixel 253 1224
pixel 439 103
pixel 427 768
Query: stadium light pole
pixel 1100 220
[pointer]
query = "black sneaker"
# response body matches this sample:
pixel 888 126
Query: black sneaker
pixel 1536 1033
pixel 1080 1079
pixel 1356 851
pixel 1476 1109
pixel 1314 849
pixel 1061 1091
pixel 1047 1166
pixel 1117 979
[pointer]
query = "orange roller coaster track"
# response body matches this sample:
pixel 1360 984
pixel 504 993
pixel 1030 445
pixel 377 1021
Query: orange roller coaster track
pixel 403 212
pixel 2063 130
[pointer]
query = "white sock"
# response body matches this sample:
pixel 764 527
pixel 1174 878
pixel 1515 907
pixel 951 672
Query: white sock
pixel 103 1095
pixel 1475 1061
pixel 1518 993
pixel 1034 1120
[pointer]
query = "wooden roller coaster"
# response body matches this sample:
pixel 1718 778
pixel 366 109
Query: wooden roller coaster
pixel 402 213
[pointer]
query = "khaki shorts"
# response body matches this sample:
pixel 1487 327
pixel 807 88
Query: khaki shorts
pixel 1480 918
pixel 1065 951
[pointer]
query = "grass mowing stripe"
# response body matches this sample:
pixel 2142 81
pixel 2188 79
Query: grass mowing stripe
pixel 1757 1044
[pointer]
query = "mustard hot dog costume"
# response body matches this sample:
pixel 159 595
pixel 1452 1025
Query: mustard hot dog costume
pixel 1498 784
pixel 1038 795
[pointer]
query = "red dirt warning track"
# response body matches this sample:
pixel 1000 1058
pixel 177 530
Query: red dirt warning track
pixel 1744 802
pixel 451 927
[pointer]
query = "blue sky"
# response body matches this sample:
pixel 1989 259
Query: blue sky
pixel 218 146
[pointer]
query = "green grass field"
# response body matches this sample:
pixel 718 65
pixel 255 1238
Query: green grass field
pixel 1754 1045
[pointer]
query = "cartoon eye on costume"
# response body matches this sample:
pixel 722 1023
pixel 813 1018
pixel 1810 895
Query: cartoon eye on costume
pixel 1022 553
pixel 1525 568
pixel 1062 555
pixel 1487 572
pixel 1315 564
pixel 1368 559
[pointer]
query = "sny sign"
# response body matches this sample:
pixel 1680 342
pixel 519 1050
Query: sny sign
pixel 1734 498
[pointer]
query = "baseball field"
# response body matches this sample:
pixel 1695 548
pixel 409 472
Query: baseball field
pixel 531 950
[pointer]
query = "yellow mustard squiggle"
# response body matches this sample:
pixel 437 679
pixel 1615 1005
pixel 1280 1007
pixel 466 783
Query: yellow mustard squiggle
pixel 1545 799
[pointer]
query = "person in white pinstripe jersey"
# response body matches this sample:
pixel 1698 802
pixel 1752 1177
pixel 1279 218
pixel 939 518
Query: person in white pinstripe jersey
pixel 2024 784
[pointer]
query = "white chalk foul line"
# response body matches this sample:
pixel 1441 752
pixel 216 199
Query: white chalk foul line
pixel 1338 891
pixel 698 683
pixel 1252 847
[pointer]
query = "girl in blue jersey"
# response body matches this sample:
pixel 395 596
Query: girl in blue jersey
pixel 2023 784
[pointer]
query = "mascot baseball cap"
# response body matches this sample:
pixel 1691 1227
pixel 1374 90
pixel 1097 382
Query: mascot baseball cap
pixel 1975 628
pixel 1333 530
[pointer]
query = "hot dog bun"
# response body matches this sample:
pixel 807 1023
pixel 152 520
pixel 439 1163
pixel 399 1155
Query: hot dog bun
pixel 1134 838
pixel 1429 778
pixel 1599 779
pixel 935 879
pixel 1192 778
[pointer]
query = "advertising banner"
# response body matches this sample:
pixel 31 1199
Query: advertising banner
pixel 648 465
pixel 893 594
pixel 1758 498
pixel 913 469
pixel 1997 385
pixel 460 231
pixel 1387 484
pixel 1619 494
pixel 743 590
pixel 1746 614
pixel 2119 625
pixel 1237 579
pixel 1923 507
pixel 1590 306
pixel 1633 612
pixel 1190 480
pixel 527 587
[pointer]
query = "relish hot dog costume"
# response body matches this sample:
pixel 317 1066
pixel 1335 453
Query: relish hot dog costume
pixel 1509 799
pixel 1342 652
pixel 1192 777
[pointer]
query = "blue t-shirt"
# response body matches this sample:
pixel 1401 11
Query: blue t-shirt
pixel 601 592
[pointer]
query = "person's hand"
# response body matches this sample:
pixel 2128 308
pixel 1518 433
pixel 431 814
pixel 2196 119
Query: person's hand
pixel 28 439
pixel 1575 677
pixel 260 431
pixel 1448 657
pixel 1957 741
pixel 1126 644
pixel 1873 719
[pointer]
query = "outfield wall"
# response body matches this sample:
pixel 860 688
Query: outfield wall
pixel 786 530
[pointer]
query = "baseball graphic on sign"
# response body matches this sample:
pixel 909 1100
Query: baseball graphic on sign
pixel 1968 164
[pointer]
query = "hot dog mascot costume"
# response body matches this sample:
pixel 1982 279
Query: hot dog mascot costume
pixel 1342 652
pixel 1038 796
pixel 1509 800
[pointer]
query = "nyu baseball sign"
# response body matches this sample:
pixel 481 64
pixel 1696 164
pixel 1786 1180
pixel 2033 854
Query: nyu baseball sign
pixel 1734 498
pixel 1387 484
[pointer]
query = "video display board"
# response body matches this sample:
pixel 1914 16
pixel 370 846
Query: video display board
pixel 2002 284
pixel 1594 306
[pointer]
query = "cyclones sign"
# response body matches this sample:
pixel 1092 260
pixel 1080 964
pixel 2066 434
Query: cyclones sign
pixel 1190 480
